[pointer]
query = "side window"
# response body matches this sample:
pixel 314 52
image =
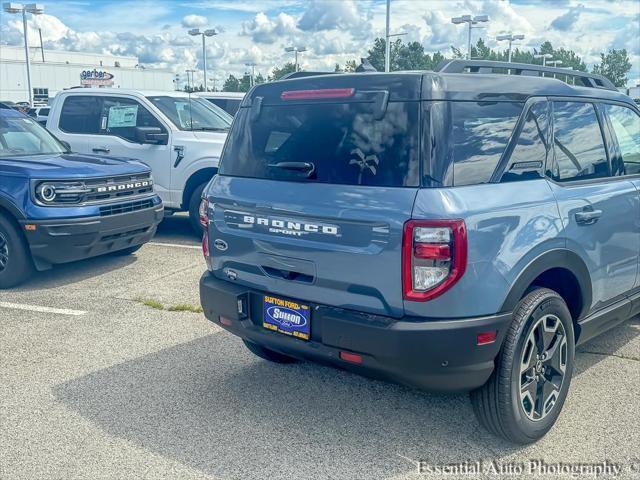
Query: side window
pixel 530 153
pixel 578 145
pixel 121 116
pixel 81 114
pixel 481 132
pixel 626 126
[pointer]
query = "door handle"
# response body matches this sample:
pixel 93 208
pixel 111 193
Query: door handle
pixel 101 150
pixel 588 216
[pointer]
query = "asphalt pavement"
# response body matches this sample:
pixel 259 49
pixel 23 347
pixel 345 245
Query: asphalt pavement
pixel 109 371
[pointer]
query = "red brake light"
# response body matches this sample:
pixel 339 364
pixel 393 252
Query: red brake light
pixel 317 94
pixel 203 213
pixel 434 257
pixel 205 244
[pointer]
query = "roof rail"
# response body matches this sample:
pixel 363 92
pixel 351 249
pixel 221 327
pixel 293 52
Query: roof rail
pixel 290 75
pixel 586 79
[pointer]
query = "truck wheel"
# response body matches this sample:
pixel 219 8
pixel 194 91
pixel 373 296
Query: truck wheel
pixel 194 205
pixel 268 354
pixel 524 396
pixel 16 265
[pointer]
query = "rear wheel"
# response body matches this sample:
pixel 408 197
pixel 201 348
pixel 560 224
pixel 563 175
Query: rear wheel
pixel 523 398
pixel 194 205
pixel 16 265
pixel 268 354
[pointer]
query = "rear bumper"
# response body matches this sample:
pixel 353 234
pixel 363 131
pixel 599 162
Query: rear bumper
pixel 438 355
pixel 67 240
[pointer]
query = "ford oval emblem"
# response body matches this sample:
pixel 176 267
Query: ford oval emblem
pixel 220 244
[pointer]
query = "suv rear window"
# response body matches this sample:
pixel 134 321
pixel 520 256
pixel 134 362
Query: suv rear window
pixel 343 141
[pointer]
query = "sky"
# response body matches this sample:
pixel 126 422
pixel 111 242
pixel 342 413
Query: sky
pixel 333 31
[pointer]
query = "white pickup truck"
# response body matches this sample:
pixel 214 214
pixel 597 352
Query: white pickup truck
pixel 180 136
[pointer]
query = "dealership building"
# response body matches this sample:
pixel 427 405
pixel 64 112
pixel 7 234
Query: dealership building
pixel 53 71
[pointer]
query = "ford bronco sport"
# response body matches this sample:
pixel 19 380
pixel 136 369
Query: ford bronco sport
pixel 57 207
pixel 461 229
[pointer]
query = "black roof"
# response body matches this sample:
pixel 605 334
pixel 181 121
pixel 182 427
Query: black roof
pixel 473 85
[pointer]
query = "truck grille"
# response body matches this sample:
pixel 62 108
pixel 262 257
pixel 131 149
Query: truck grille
pixel 128 207
pixel 111 188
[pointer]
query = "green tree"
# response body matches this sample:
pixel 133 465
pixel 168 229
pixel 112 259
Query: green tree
pixel 278 72
pixel 350 66
pixel 259 79
pixel 614 65
pixel 231 84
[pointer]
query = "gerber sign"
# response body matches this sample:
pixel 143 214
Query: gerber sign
pixel 96 78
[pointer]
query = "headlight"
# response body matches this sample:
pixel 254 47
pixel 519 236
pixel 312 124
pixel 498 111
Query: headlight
pixel 52 193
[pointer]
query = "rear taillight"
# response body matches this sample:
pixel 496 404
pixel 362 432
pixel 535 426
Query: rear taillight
pixel 434 257
pixel 203 212
pixel 205 245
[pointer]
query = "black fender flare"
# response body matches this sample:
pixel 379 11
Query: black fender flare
pixel 558 258
pixel 11 207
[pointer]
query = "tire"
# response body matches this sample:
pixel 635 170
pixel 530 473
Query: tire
pixel 16 265
pixel 510 405
pixel 126 251
pixel 268 354
pixel 194 206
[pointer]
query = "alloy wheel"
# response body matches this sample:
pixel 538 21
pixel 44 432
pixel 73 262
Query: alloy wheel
pixel 542 367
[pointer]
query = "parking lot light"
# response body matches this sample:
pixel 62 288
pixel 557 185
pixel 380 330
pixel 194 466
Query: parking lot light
pixel 34 9
pixel 471 21
pixel 194 32
pixel 510 37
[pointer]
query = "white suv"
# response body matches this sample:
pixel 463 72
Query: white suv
pixel 180 136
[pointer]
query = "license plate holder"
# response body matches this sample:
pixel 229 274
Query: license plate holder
pixel 288 317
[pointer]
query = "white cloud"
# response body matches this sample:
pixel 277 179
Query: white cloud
pixel 194 21
pixel 263 29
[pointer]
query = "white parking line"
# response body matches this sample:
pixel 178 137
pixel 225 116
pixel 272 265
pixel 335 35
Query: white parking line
pixel 36 308
pixel 176 245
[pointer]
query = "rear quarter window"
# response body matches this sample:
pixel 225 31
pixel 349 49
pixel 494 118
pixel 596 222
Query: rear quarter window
pixel 481 132
pixel 343 141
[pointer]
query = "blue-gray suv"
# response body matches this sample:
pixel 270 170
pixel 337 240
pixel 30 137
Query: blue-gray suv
pixel 462 229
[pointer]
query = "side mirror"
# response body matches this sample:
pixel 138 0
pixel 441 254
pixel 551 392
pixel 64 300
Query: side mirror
pixel 152 135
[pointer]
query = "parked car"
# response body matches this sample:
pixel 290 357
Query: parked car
pixel 449 230
pixel 180 136
pixel 40 114
pixel 58 207
pixel 228 101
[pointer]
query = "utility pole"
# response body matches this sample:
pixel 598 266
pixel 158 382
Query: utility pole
pixel 387 39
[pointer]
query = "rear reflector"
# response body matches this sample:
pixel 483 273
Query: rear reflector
pixel 351 357
pixel 205 245
pixel 485 338
pixel 225 321
pixel 317 94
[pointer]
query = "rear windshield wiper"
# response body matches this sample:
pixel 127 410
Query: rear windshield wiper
pixel 304 167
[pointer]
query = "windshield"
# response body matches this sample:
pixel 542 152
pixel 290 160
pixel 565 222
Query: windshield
pixel 193 113
pixel 24 136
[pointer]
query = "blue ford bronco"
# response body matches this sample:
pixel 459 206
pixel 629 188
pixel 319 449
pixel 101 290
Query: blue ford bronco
pixel 57 207
pixel 462 229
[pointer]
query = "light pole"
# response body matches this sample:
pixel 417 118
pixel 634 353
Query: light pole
pixel 555 63
pixel 194 32
pixel 34 9
pixel 544 57
pixel 387 40
pixel 253 72
pixel 470 21
pixel 190 71
pixel 296 50
pixel 510 37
